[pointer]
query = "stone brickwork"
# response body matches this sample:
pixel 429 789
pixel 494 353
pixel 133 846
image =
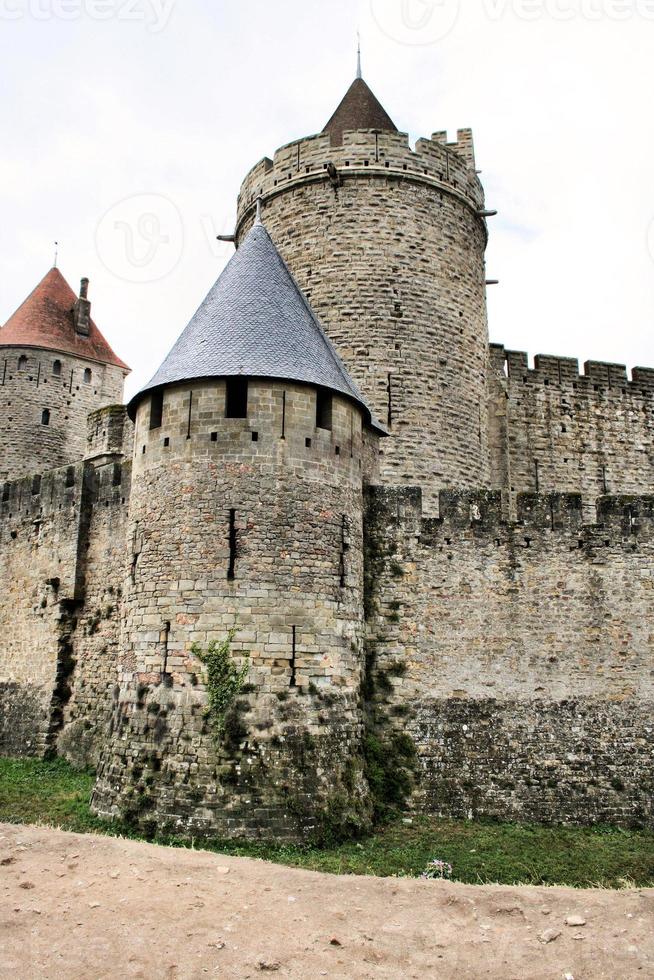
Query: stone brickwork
pixel 96 640
pixel 41 527
pixel 46 398
pixel 253 524
pixel 391 255
pixel 518 654
pixel 552 429
pixel 62 538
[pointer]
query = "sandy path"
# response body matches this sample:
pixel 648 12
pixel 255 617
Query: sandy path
pixel 73 907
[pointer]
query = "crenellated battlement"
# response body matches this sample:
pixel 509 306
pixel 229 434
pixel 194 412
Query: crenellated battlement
pixel 487 512
pixel 450 167
pixel 564 371
pixel 41 495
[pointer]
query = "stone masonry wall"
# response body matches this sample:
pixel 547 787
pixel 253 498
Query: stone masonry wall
pixel 552 429
pixel 41 527
pixel 33 382
pixel 518 655
pixel 391 255
pixel 253 524
pixel 96 638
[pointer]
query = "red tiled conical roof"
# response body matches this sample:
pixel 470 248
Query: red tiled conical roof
pixel 45 320
pixel 360 109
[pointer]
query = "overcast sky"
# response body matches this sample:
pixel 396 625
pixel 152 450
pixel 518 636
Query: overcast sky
pixel 128 126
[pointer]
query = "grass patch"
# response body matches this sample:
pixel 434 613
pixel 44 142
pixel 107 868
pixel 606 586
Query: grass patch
pixel 54 794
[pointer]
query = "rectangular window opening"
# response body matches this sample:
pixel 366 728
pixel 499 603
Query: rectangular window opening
pixel 156 409
pixel 293 681
pixel 236 404
pixel 323 409
pixel 231 571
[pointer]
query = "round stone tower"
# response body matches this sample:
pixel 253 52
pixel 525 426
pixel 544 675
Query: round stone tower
pixel 246 515
pixel 388 244
pixel 55 368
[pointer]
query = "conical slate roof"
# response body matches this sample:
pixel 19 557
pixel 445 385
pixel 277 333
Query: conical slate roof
pixel 45 320
pixel 256 322
pixel 360 109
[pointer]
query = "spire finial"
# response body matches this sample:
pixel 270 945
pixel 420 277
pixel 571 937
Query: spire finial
pixel 56 255
pixel 257 220
pixel 359 75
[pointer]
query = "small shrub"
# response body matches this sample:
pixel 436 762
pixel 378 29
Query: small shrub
pixel 224 680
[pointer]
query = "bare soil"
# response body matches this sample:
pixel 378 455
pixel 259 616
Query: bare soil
pixel 89 907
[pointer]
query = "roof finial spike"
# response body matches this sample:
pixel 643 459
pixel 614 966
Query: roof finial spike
pixel 257 220
pixel 56 255
pixel 359 75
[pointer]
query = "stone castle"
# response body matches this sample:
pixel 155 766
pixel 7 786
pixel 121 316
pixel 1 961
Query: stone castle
pixel 437 561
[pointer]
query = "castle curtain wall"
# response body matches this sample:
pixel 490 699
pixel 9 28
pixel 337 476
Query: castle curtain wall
pixel 553 429
pixel 61 554
pixel 519 653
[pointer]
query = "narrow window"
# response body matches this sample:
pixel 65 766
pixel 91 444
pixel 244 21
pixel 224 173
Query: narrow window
pixel 36 486
pixel 56 369
pixel 156 409
pixel 236 405
pixel 293 681
pixel 45 416
pixel 117 475
pixel 323 409
pixel 165 638
pixel 70 476
pixel 231 571
pixel 22 363
pixel 87 376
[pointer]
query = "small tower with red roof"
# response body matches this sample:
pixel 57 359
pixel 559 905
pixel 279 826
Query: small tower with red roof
pixel 55 368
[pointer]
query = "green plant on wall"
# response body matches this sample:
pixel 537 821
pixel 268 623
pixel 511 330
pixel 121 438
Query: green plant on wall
pixel 223 678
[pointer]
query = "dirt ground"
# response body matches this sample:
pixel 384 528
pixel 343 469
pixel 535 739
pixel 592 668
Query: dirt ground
pixel 87 907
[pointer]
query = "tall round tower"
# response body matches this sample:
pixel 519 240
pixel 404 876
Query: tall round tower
pixel 55 368
pixel 245 514
pixel 388 244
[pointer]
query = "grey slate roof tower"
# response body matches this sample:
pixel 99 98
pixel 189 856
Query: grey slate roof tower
pixel 256 322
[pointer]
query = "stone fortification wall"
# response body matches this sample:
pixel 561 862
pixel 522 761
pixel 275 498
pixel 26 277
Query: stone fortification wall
pixel 47 397
pixel 109 434
pixel 389 248
pixel 62 560
pixel 552 429
pixel 255 524
pixel 96 639
pixel 518 655
pixel 41 530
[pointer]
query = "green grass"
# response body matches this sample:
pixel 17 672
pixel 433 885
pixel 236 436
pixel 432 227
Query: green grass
pixel 54 794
